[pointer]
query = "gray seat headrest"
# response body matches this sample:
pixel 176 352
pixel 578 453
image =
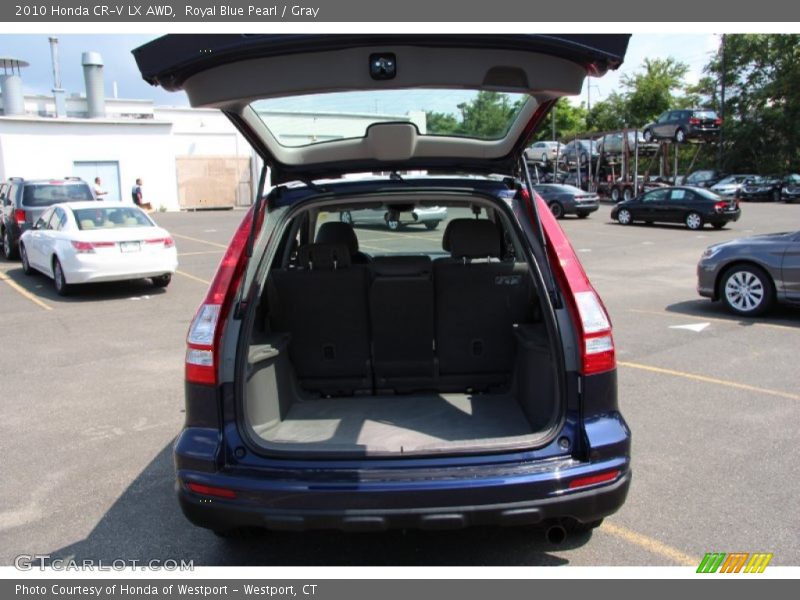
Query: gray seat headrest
pixel 401 266
pixel 323 257
pixel 336 232
pixel 472 238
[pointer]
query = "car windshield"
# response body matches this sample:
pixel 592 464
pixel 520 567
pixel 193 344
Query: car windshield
pixel 344 115
pixel 111 218
pixel 47 194
pixel 732 179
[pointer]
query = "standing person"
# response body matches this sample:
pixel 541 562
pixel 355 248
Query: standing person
pixel 136 192
pixel 98 189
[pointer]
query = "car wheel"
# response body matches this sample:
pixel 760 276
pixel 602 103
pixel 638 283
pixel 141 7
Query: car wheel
pixel 26 265
pixel 776 195
pixel 624 217
pixel 694 221
pixel 647 135
pixel 584 159
pixel 557 210
pixel 432 225
pixel 747 290
pixel 627 194
pixel 392 224
pixel 59 280
pixel 8 247
pixel 346 217
pixel 161 281
pixel 583 215
pixel 544 157
pixel 615 195
pixel 680 136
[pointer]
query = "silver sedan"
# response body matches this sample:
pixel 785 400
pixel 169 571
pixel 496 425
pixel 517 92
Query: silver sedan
pixel 429 216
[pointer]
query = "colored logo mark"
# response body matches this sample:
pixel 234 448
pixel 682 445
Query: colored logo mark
pixel 735 562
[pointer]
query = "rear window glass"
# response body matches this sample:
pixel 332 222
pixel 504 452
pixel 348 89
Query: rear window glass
pixel 53 193
pixel 704 193
pixel 704 114
pixel 111 218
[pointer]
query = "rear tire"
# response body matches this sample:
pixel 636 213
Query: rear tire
pixel 627 194
pixel 8 247
pixel 680 136
pixel 583 215
pixel 392 224
pixel 346 217
pixel 776 195
pixel 557 210
pixel 615 195
pixel 60 282
pixel 747 290
pixel 26 265
pixel 161 281
pixel 647 135
pixel 694 221
pixel 432 225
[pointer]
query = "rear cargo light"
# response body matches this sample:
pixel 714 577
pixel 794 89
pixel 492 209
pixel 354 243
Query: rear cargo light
pixel 202 342
pixel 593 479
pixel 209 490
pixel 19 215
pixel 596 340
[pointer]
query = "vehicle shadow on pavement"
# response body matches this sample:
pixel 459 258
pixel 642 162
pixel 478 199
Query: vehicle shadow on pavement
pixel 42 286
pixel 785 316
pixel 146 524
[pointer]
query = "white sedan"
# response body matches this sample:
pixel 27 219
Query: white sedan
pixel 85 242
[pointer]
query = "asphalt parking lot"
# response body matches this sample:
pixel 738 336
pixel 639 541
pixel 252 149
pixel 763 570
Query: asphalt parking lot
pixel 92 397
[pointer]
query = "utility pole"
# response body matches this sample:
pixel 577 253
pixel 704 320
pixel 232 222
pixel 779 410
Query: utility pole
pixel 553 113
pixel 721 103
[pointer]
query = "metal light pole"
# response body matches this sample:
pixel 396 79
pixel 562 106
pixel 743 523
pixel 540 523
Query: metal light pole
pixel 721 103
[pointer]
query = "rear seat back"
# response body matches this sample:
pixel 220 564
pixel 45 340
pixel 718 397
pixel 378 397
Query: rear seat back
pixel 478 300
pixel 402 318
pixel 323 305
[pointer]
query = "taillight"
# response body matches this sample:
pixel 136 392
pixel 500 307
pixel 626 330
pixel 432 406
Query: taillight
pixel 83 247
pixel 19 215
pixel 596 340
pixel 718 122
pixel 202 342
pixel 720 206
pixel 694 121
pixel 167 241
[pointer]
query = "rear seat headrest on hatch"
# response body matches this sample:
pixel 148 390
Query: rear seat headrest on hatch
pixel 401 266
pixel 472 238
pixel 323 257
pixel 336 232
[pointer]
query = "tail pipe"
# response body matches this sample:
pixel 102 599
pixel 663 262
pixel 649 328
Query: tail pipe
pixel 556 534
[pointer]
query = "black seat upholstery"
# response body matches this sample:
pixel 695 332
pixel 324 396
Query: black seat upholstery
pixel 336 232
pixel 402 318
pixel 478 300
pixel 323 305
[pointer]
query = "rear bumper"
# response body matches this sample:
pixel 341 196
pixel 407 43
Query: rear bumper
pixel 91 270
pixel 525 499
pixel 724 217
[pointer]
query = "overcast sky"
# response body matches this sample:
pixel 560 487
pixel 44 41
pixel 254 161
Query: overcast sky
pixel 693 49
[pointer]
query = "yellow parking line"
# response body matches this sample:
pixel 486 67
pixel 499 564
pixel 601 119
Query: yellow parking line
pixel 23 292
pixel 193 277
pixel 193 239
pixel 704 379
pixel 715 319
pixel 650 544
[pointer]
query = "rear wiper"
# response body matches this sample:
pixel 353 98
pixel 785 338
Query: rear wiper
pixel 547 271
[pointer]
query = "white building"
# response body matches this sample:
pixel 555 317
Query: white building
pixel 187 158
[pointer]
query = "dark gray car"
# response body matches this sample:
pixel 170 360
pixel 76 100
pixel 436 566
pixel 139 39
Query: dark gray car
pixel 567 200
pixel 750 274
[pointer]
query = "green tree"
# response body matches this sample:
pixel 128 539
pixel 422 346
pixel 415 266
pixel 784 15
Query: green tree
pixel 609 114
pixel 570 120
pixel 487 115
pixel 650 91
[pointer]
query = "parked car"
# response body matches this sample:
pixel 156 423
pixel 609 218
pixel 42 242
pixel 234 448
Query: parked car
pixel 405 392
pixel 749 275
pixel 25 200
pixel 691 206
pixel 702 178
pixel 568 200
pixel 762 188
pixel 729 187
pixel 684 125
pixel 543 152
pixel 791 188
pixel 611 144
pixel 89 242
pixel 579 152
pixel 429 216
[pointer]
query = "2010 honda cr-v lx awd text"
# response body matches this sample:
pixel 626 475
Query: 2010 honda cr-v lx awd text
pixel 363 379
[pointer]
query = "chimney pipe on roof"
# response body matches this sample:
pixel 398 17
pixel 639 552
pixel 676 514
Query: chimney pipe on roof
pixel 59 95
pixel 11 86
pixel 95 91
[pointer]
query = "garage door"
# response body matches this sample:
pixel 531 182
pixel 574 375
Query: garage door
pixel 107 171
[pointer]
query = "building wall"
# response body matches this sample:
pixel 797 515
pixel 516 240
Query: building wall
pixel 38 148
